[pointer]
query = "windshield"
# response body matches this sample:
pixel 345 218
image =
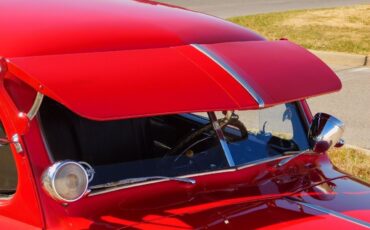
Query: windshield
pixel 172 145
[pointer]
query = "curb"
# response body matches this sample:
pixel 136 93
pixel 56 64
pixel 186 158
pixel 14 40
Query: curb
pixel 343 59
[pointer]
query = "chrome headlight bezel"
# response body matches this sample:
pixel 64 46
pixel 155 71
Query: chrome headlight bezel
pixel 49 179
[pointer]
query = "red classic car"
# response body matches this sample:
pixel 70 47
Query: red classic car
pixel 140 115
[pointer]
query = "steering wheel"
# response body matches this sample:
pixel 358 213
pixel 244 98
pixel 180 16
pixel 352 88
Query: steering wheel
pixel 193 139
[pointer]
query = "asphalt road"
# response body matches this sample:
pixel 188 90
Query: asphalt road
pixel 230 8
pixel 351 104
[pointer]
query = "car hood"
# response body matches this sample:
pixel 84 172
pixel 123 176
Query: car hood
pixel 190 78
pixel 249 198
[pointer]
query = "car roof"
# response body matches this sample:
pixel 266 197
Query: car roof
pixel 45 27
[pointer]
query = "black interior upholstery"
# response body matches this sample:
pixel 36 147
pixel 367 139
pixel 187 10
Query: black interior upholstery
pixel 70 136
pixel 126 148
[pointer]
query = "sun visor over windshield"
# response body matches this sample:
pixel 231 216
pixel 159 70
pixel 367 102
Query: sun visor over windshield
pixel 192 78
pixel 276 72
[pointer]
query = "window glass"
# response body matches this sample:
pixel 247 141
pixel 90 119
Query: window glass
pixel 171 145
pixel 8 170
pixel 272 132
pixel 282 121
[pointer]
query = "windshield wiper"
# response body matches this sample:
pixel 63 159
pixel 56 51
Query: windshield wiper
pixel 130 181
pixel 293 157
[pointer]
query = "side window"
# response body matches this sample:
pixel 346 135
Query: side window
pixel 8 170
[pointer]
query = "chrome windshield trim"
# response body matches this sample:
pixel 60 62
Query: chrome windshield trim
pixel 303 114
pixel 137 180
pixel 331 212
pixel 94 193
pixel 36 106
pixel 211 172
pixel 227 170
pixel 221 138
pixel 103 191
pixel 219 61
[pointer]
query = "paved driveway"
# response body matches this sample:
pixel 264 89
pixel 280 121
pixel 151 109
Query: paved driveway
pixel 229 8
pixel 351 104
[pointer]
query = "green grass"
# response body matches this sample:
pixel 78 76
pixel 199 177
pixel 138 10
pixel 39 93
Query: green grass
pixel 342 29
pixel 352 161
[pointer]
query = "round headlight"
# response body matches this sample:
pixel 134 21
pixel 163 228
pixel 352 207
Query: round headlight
pixel 65 181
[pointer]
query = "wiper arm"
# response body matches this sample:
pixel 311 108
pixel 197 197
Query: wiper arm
pixel 130 181
pixel 292 157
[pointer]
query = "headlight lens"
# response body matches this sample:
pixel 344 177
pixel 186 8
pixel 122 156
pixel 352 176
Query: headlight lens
pixel 65 181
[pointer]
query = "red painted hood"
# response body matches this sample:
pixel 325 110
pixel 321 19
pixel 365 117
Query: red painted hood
pixel 146 82
pixel 257 197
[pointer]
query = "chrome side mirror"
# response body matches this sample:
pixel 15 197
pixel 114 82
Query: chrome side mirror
pixel 325 132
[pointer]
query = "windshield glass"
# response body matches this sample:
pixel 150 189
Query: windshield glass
pixel 271 132
pixel 171 145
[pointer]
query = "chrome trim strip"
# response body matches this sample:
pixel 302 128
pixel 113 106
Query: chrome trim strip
pixel 247 165
pixel 211 172
pixel 219 61
pixel 303 114
pixel 137 180
pixel 93 193
pixel 159 181
pixel 36 106
pixel 221 137
pixel 331 213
